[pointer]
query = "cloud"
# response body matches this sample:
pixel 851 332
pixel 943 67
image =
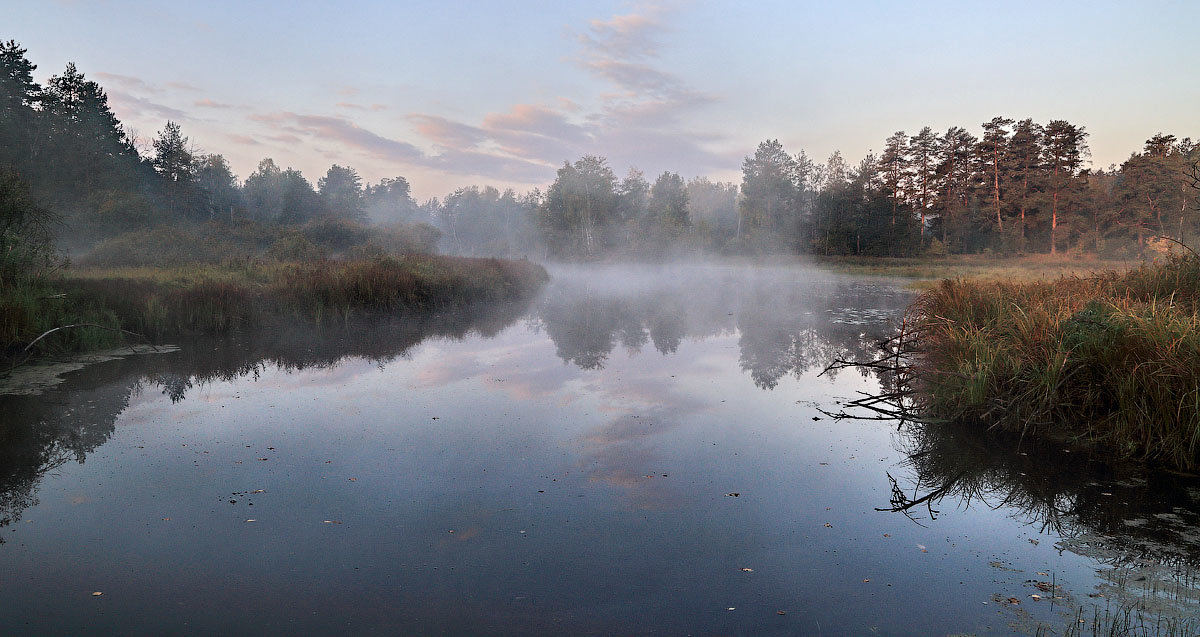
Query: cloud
pixel 207 103
pixel 244 139
pixel 285 138
pixel 639 122
pixel 448 133
pixel 629 36
pixel 128 82
pixel 360 107
pixel 129 106
pixel 182 86
pixel 342 131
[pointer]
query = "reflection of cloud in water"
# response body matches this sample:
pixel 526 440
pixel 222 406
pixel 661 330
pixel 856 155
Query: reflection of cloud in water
pixel 622 452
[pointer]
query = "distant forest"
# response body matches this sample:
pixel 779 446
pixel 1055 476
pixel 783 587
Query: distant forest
pixel 1017 187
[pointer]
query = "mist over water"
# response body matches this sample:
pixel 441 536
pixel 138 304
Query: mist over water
pixel 639 449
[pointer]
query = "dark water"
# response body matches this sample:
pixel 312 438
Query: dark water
pixel 639 450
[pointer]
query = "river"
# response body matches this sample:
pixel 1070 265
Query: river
pixel 637 450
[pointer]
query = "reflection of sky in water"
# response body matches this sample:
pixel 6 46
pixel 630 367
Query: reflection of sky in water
pixel 486 485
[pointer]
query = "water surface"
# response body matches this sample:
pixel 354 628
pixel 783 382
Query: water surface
pixel 639 450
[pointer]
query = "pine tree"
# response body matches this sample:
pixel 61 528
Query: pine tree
pixel 1063 148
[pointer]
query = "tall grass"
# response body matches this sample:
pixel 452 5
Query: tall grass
pixel 1111 360
pixel 205 298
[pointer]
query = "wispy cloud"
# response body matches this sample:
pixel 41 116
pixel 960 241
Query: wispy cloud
pixel 343 131
pixel 207 103
pixel 245 140
pixel 448 133
pixel 183 86
pixel 640 121
pixel 361 107
pixel 126 82
pixel 129 106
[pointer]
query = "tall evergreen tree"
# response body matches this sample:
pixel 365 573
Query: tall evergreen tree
pixel 341 191
pixel 1063 149
pixel 992 148
pixel 924 149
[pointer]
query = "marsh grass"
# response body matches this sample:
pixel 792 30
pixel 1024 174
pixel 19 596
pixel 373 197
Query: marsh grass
pixel 927 271
pixel 219 298
pixel 1110 360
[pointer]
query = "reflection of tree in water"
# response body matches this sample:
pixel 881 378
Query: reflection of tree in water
pixel 39 434
pixel 1067 494
pixel 786 325
pixel 1141 526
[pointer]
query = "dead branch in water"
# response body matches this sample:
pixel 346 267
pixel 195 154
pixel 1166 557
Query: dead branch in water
pixel 28 347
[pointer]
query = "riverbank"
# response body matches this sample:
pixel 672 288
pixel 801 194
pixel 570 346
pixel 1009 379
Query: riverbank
pixel 1111 361
pixel 110 306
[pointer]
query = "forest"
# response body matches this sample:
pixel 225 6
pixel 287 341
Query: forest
pixel 74 179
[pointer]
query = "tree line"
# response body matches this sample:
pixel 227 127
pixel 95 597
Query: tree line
pixel 1016 187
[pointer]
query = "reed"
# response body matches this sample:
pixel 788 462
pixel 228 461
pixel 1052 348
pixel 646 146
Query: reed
pixel 241 293
pixel 1111 360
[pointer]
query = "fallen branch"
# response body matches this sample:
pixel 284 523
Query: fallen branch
pixel 67 327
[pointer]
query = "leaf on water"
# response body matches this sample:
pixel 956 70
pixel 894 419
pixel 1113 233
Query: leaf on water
pixel 887 535
pixel 1035 597
pixel 731 608
pixel 259 491
pixel 828 525
pixel 252 520
pixel 732 495
pixel 781 612
pixel 332 522
pixel 866 580
pixel 1013 600
pixel 747 570
pixel 353 479
pixel 263 459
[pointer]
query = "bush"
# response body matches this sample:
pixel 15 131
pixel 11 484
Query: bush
pixel 336 235
pixel 295 247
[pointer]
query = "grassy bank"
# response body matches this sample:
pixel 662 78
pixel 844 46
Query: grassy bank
pixel 1111 360
pixel 928 270
pixel 160 302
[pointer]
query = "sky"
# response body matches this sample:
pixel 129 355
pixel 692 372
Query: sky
pixel 450 94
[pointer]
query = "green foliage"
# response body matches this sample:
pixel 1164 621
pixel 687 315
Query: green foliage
pixel 26 251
